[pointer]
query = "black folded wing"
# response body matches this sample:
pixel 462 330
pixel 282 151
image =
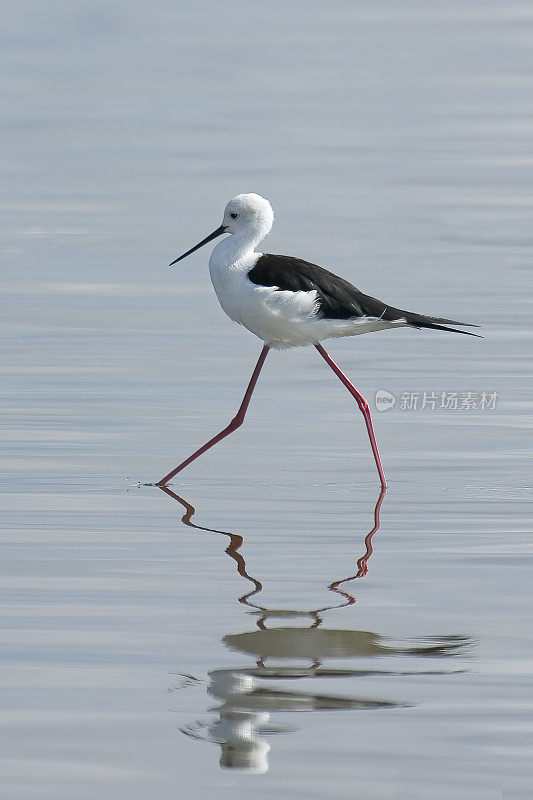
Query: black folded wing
pixel 336 297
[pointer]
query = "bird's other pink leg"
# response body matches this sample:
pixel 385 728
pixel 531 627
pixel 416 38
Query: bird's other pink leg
pixel 363 407
pixel 235 423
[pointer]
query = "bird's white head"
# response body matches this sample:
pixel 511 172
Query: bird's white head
pixel 248 216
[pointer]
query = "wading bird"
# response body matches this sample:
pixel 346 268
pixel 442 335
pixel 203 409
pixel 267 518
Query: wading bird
pixel 288 302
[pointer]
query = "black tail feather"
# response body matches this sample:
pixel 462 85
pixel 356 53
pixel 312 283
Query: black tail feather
pixel 376 308
pixel 447 328
pixel 439 324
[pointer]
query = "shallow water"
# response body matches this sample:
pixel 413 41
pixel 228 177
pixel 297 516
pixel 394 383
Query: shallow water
pixel 140 652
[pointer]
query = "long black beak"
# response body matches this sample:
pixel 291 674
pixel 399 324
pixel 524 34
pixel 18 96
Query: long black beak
pixel 218 232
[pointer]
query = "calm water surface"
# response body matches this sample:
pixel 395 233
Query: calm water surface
pixel 270 626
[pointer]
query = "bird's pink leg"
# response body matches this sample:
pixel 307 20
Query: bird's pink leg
pixel 363 407
pixel 235 423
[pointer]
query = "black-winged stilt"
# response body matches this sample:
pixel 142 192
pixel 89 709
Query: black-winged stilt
pixel 288 302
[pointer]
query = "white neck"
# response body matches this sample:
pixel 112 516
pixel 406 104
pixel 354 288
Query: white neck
pixel 237 247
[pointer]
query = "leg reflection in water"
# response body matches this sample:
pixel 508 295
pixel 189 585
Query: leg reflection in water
pixel 295 644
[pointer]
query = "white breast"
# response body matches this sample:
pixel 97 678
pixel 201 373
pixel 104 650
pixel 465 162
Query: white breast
pixel 280 318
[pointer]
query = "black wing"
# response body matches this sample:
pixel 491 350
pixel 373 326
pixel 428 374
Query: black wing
pixel 337 298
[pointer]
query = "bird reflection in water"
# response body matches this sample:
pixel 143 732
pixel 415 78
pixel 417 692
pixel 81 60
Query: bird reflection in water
pixel 283 650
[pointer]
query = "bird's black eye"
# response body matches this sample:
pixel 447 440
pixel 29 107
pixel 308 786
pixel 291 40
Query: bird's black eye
pixel 234 216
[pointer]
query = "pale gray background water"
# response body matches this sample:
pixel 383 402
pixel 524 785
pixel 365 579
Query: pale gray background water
pixel 395 141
